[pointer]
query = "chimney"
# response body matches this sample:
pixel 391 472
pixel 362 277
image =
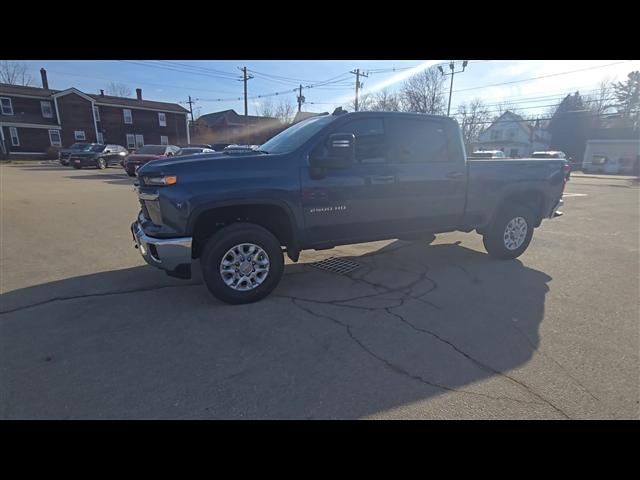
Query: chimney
pixel 139 93
pixel 45 82
pixel 101 93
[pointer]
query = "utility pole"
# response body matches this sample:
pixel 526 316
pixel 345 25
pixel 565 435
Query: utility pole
pixel 301 100
pixel 357 73
pixel 191 102
pixel 245 78
pixel 453 72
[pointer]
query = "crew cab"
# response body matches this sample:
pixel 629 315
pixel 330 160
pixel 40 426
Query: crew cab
pixel 332 180
pixel 146 154
pixel 97 155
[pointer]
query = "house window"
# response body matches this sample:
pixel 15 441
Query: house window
pixel 47 111
pixel 162 119
pixel 511 134
pixel 15 140
pixel 139 141
pixel 54 138
pixel 496 134
pixel 7 107
pixel 127 116
pixel 131 140
pixel 164 140
pixel 79 135
pixel 100 138
pixel 96 112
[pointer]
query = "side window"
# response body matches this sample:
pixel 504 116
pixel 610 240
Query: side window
pixel 371 144
pixel 416 141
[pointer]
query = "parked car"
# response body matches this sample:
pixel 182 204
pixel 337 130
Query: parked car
pixel 146 154
pixel 334 180
pixel 63 154
pixel 219 146
pixel 198 145
pixel 193 151
pixel 241 148
pixel 556 154
pixel 97 155
pixel 488 154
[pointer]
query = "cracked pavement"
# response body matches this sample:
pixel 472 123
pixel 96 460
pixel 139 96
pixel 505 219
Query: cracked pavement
pixel 422 330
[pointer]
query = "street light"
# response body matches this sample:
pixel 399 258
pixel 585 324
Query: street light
pixel 453 72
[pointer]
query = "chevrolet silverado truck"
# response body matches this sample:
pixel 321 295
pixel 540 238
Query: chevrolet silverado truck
pixel 331 180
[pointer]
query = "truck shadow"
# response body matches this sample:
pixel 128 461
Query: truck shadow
pixel 413 322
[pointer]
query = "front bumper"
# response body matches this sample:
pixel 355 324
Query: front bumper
pixel 172 255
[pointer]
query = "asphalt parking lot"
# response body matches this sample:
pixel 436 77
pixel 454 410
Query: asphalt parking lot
pixel 418 331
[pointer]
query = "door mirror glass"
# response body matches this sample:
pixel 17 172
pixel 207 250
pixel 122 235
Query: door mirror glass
pixel 341 148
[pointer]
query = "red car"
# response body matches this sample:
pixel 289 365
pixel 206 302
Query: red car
pixel 146 154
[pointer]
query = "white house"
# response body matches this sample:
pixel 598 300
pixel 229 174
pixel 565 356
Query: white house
pixel 513 135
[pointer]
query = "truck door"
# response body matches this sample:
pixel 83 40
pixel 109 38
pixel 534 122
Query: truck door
pixel 357 203
pixel 430 170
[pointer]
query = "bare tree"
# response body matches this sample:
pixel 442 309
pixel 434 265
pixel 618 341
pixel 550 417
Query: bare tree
pixel 118 90
pixel 385 101
pixel 603 98
pixel 424 92
pixel 473 118
pixel 265 108
pixel 15 73
pixel 365 102
pixel 285 111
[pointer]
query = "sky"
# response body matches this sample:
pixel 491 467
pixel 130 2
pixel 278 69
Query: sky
pixel 331 84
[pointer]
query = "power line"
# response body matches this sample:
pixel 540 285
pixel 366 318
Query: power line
pixel 162 67
pixel 543 76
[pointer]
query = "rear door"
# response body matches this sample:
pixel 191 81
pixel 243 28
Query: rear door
pixel 427 159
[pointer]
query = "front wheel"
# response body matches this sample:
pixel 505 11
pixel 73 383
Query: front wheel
pixel 102 164
pixel 242 263
pixel 510 234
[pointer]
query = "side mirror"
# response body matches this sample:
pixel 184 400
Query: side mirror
pixel 341 152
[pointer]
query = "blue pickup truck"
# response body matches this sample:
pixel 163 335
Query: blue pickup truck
pixel 331 180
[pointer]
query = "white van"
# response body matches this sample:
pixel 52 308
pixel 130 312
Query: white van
pixel 619 157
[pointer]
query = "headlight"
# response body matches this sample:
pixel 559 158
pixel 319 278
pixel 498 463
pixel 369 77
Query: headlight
pixel 160 181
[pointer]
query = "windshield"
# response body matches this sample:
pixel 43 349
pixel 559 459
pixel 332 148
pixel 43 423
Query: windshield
pixel 95 148
pixel 296 135
pixel 151 150
pixel 79 146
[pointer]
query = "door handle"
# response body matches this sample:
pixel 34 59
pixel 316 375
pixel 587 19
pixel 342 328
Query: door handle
pixel 455 175
pixel 384 178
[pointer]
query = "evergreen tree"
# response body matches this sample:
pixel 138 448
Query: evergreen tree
pixel 570 126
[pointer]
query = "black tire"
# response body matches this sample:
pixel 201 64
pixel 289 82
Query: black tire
pixel 220 243
pixel 101 163
pixel 494 238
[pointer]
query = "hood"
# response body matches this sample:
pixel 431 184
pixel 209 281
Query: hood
pixel 142 157
pixel 178 163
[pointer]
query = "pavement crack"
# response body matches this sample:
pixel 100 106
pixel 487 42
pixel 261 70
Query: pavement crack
pixel 478 362
pixel 401 371
pixel 101 294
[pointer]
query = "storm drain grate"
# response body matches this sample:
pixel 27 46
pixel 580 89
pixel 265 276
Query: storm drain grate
pixel 338 265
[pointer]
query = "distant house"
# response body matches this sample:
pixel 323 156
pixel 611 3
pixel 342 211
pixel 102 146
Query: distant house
pixel 228 126
pixel 32 119
pixel 514 136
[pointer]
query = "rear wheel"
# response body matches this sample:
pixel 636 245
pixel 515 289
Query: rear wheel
pixel 242 263
pixel 511 232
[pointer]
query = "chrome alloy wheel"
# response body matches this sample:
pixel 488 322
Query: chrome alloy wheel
pixel 244 267
pixel 515 233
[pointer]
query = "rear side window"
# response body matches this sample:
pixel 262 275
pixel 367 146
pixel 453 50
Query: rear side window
pixel 416 141
pixel 371 145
